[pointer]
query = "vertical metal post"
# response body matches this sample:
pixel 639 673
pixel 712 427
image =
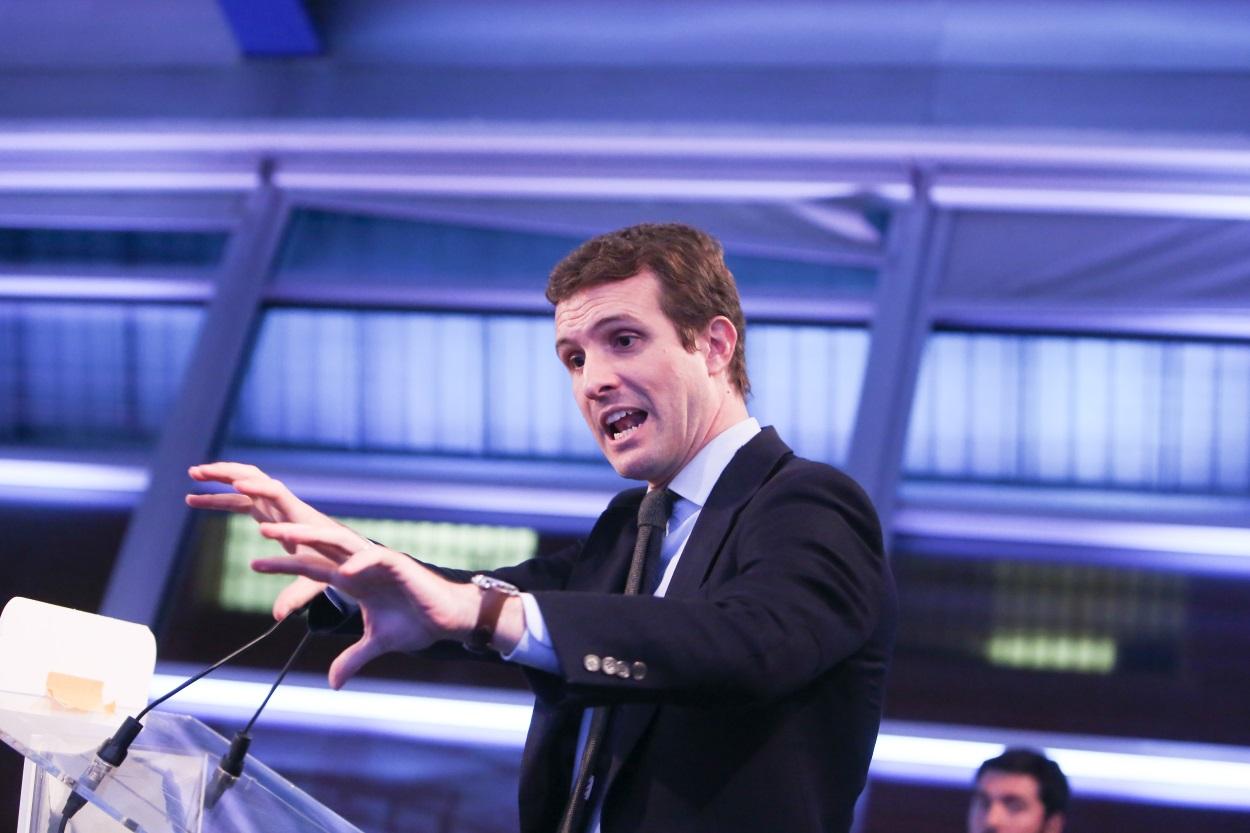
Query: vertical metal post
pixel 150 550
pixel 901 322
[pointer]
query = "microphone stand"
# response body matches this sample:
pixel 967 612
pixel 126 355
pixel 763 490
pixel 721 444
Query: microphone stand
pixel 231 765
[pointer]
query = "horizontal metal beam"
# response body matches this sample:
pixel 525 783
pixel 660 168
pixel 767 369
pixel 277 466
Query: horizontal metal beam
pixel 1102 318
pixel 70 178
pixel 101 288
pixel 883 147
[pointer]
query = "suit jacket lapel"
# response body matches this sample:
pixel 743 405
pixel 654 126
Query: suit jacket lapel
pixel 741 479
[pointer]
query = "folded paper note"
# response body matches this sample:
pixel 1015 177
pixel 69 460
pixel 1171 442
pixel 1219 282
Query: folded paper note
pixel 79 693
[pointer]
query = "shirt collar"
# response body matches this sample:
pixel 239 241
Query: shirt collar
pixel 695 481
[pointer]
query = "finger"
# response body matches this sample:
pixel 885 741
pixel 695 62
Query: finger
pixel 274 494
pixel 335 541
pixel 224 472
pixel 224 502
pixel 295 595
pixel 289 505
pixel 314 567
pixel 382 566
pixel 262 487
pixel 354 658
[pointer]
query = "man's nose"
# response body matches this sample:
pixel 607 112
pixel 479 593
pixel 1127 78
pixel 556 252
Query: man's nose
pixel 598 378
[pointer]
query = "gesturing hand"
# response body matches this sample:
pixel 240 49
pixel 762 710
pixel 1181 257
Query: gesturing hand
pixel 266 500
pixel 405 606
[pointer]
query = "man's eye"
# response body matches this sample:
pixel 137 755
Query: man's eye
pixel 625 340
pixel 575 360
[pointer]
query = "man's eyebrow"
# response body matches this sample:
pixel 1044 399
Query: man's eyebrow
pixel 601 324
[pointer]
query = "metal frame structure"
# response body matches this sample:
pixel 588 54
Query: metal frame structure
pixel 79 173
pixel 148 559
pixel 250 181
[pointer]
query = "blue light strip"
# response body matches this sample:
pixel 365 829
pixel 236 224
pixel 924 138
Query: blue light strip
pixel 1089 201
pixel 129 180
pixel 57 474
pixel 1223 541
pixel 1178 546
pixel 1127 769
pixel 642 188
pixel 103 289
pixel 231 138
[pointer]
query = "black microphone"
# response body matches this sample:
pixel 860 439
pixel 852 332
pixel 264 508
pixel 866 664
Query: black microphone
pixel 107 758
pixel 114 750
pixel 228 770
pixel 231 765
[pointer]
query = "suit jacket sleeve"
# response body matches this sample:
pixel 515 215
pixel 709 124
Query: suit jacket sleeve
pixel 797 584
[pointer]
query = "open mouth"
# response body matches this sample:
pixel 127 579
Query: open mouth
pixel 620 424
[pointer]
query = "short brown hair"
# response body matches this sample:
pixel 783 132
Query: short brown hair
pixel 1052 785
pixel 696 286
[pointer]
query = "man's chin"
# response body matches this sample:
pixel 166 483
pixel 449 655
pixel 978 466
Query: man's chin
pixel 629 466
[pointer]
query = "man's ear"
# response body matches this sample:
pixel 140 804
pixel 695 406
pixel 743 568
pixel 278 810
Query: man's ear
pixel 1053 824
pixel 722 340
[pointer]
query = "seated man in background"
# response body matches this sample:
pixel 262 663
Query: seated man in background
pixel 712 658
pixel 1020 791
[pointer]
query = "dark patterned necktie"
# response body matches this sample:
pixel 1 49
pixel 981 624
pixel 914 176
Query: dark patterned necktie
pixel 652 518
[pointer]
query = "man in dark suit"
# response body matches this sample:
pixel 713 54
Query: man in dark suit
pixel 742 683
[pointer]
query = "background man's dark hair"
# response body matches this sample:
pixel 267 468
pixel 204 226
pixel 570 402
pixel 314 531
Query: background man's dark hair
pixel 696 286
pixel 1052 785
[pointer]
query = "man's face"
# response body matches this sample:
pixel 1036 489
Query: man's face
pixel 1009 802
pixel 650 403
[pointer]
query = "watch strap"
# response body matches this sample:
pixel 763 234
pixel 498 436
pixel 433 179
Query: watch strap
pixel 494 594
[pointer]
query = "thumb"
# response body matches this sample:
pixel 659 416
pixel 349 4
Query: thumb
pixel 355 657
pixel 295 595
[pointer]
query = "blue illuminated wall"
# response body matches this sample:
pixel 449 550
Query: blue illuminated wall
pixel 447 383
pixel 90 372
pixel 806 381
pixel 490 385
pixel 1103 412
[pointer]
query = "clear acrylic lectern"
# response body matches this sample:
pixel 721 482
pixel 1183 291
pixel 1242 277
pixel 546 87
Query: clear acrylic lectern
pixel 165 785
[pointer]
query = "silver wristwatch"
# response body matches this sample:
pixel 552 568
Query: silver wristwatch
pixel 494 593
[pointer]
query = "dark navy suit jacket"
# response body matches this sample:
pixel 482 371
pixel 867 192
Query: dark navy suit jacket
pixel 763 667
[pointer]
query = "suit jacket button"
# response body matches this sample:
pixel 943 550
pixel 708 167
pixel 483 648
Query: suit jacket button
pixel 638 670
pixel 622 670
pixel 609 665
pixel 591 662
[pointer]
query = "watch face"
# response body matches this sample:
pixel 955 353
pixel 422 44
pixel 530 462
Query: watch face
pixel 497 585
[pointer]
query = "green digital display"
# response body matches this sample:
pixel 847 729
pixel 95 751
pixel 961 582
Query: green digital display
pixel 459 546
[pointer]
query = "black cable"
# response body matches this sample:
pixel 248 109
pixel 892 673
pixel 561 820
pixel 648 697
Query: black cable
pixel 230 767
pixel 113 751
pixel 67 813
pixel 299 649
pixel 210 669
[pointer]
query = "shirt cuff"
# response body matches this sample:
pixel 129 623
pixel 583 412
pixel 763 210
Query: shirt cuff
pixel 534 648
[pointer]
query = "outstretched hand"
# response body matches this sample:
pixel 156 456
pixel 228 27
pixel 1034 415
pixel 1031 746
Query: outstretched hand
pixel 405 606
pixel 267 500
